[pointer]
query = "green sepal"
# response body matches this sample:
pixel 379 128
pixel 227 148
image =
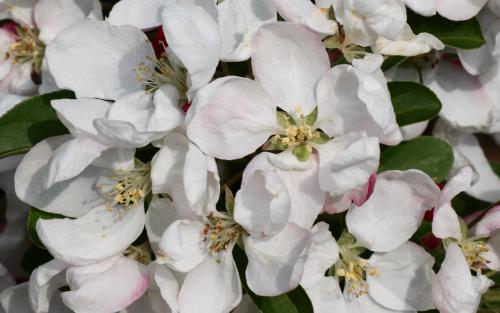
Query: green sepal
pixel 312 117
pixel 275 144
pixel 302 152
pixel 284 119
pixel 323 138
pixel 346 239
pixel 464 229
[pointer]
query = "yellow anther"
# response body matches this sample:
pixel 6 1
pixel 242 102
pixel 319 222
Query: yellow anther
pixel 27 48
pixel 161 72
pixel 474 254
pixel 221 231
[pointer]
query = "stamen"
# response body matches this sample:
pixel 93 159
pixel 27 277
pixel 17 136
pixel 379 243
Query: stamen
pixel 473 252
pixel 298 132
pixel 27 48
pixel 127 188
pixel 161 73
pixel 354 270
pixel 141 254
pixel 221 232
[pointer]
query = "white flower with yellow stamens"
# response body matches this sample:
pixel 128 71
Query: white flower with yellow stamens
pixel 202 248
pixel 397 276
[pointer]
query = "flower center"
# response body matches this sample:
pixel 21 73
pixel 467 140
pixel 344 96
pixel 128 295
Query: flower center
pixel 221 232
pixel 354 270
pixel 141 254
pixel 162 72
pixel 127 188
pixel 473 252
pixel 27 48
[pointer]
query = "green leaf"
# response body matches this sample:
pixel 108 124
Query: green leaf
pixel 430 155
pixel 33 216
pixel 413 102
pixel 302 152
pixel 464 34
pixel 496 167
pixel 30 122
pixel 229 200
pixel 34 257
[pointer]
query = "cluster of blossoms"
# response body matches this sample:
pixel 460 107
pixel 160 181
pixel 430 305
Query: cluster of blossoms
pixel 218 155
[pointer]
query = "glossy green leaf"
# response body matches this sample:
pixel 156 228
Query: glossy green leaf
pixel 30 122
pixel 33 217
pixel 413 102
pixel 463 34
pixel 428 154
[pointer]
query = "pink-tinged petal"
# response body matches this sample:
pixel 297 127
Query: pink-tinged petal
pixel 69 13
pixel 323 254
pixel 346 163
pixel 276 265
pixel 394 211
pixel 288 61
pixel 137 13
pixel 459 10
pixel 18 81
pixel 200 282
pixel 404 282
pixel 94 287
pixel 301 180
pixel 262 205
pixel 98 75
pixel 182 246
pixel 193 36
pixel 72 158
pixel 489 223
pixel 467 105
pixel 493 254
pixel 100 234
pixel 232 119
pixel 73 197
pixel 350 96
pixel 454 289
pixel 44 281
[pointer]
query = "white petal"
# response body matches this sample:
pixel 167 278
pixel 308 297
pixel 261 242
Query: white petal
pixel 181 170
pixel 459 10
pixel 161 213
pixel 466 103
pixel 307 14
pixel 18 81
pixel 247 306
pixel 275 265
pixel 288 61
pixel 405 278
pixel 412 131
pixel 232 119
pixel 422 7
pixel 182 246
pixel 326 296
pixel 407 44
pixel 493 255
pixel 190 29
pixel 137 13
pixel 350 96
pixel 69 13
pixel 6 280
pixel 347 162
pixel 99 75
pixel 72 198
pixel 394 211
pixel 454 289
pixel 79 115
pixel 262 205
pixel 98 235
pixel 94 287
pixel 301 180
pixel 200 282
pixel 72 158
pixel 238 23
pixel 323 254
pixel 44 281
pixel 489 223
pixel 445 223
pixel 16 300
pixel 167 283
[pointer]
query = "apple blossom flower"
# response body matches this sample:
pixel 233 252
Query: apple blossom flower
pixel 201 247
pixel 92 287
pixel 397 276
